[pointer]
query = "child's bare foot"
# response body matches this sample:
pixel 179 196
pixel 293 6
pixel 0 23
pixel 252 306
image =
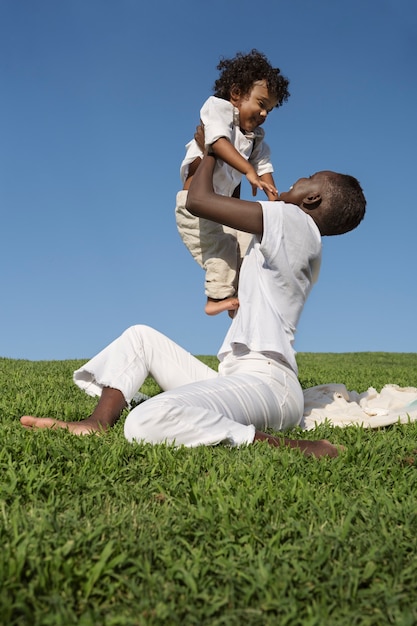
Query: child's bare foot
pixel 85 427
pixel 318 448
pixel 214 307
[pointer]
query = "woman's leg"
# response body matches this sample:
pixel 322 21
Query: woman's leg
pixel 229 410
pixel 201 413
pixel 139 352
pixel 253 393
pixel 118 371
pixel 104 416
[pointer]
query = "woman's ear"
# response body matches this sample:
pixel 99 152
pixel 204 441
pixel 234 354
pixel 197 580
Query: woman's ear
pixel 312 201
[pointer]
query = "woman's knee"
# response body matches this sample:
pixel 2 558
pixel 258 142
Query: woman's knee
pixel 146 422
pixel 137 329
pixel 132 430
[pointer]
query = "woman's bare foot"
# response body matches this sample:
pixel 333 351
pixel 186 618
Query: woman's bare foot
pixel 318 448
pixel 214 307
pixel 85 427
pixel 108 410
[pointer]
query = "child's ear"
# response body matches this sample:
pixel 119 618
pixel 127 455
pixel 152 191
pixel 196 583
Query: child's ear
pixel 312 201
pixel 234 94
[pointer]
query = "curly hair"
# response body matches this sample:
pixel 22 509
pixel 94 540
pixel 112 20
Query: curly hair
pixel 345 205
pixel 244 70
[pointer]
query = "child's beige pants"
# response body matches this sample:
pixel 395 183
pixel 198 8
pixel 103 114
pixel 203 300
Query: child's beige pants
pixel 219 250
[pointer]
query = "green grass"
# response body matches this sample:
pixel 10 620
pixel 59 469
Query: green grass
pixel 96 531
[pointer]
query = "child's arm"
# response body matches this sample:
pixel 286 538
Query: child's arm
pixel 202 201
pixel 224 150
pixel 269 179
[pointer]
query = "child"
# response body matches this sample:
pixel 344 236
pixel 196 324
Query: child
pixel 247 89
pixel 256 386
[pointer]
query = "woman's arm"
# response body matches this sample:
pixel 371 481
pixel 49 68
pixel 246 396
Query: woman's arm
pixel 202 201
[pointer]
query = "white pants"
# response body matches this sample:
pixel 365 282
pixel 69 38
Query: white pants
pixel 218 249
pixel 198 406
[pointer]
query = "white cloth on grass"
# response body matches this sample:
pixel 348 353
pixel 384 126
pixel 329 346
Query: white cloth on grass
pixel 337 406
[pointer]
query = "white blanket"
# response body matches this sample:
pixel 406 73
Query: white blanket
pixel 337 406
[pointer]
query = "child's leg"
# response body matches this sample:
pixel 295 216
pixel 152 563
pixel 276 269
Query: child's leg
pixel 188 226
pixel 231 304
pixel 220 259
pixel 244 240
pixel 214 307
pixel 215 249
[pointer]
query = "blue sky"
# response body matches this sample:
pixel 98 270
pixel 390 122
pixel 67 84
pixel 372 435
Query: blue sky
pixel 99 97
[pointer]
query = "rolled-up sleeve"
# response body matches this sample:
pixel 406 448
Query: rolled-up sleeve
pixel 261 155
pixel 217 117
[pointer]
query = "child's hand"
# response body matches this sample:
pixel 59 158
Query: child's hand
pixel 254 181
pixel 199 136
pixel 271 192
pixel 257 183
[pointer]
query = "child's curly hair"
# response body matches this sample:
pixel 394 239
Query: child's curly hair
pixel 244 70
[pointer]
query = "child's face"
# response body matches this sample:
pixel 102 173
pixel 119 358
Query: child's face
pixel 254 106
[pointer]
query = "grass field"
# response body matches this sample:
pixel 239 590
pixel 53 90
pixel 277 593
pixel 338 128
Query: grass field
pixel 96 531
